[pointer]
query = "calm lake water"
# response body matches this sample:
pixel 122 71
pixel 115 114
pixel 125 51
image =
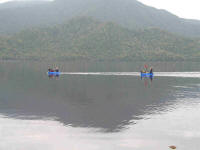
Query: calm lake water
pixel 98 112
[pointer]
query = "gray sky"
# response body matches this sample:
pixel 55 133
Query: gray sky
pixel 183 8
pixel 3 1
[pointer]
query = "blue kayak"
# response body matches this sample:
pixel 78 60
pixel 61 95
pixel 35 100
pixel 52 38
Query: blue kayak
pixel 53 73
pixel 146 74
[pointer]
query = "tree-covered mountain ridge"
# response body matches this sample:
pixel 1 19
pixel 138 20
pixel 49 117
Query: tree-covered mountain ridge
pixel 131 14
pixel 89 39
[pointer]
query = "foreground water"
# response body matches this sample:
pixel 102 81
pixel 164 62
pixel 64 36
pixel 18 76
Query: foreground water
pixel 94 112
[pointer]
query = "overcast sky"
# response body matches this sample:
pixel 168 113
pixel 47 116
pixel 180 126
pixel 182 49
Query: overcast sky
pixel 2 1
pixel 183 8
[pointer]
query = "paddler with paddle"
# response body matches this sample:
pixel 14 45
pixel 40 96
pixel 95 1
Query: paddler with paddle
pixel 145 70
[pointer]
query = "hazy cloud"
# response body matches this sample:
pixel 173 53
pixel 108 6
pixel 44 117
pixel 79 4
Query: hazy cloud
pixel 182 8
pixel 3 1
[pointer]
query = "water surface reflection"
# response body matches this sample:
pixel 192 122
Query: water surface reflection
pixel 97 112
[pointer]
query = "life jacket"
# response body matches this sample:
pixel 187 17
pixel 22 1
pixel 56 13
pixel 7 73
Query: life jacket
pixel 143 71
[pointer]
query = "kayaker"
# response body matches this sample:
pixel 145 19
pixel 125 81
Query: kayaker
pixel 56 70
pixel 151 70
pixel 50 70
pixel 146 68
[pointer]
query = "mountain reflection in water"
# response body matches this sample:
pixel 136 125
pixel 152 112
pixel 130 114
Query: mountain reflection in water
pixel 106 102
pixel 113 110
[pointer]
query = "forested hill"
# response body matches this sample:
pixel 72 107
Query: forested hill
pixel 89 39
pixel 131 14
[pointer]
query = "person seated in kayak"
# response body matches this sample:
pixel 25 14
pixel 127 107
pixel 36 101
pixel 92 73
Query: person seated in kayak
pixel 151 70
pixel 56 70
pixel 146 69
pixel 50 70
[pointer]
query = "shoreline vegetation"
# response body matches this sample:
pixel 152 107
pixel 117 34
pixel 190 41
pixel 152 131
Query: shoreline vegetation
pixel 84 38
pixel 36 59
